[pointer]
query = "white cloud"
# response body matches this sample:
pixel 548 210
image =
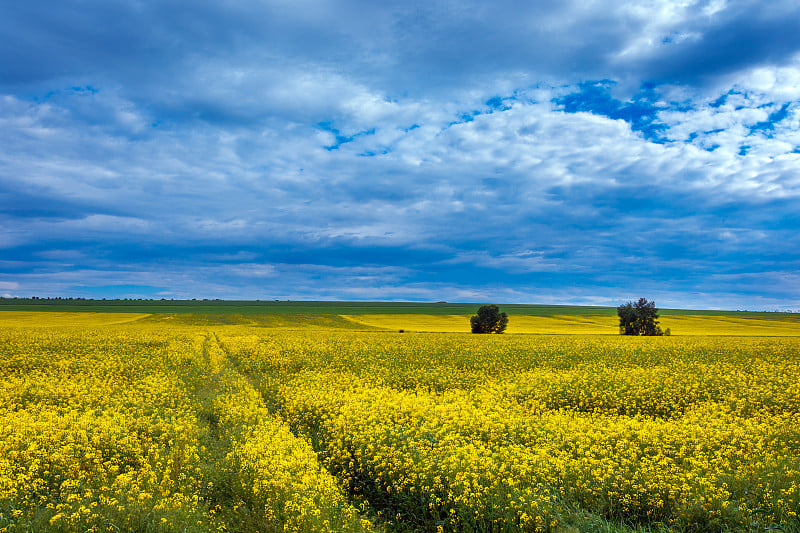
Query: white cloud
pixel 520 261
pixel 266 128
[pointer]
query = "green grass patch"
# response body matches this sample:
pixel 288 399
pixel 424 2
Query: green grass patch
pixel 241 308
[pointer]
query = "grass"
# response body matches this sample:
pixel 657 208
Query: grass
pixel 274 307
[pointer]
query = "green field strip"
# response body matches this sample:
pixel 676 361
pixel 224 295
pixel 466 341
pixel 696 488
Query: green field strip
pixel 263 307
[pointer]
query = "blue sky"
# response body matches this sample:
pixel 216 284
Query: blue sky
pixel 528 152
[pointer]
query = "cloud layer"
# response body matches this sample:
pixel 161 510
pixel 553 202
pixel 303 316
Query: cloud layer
pixel 517 152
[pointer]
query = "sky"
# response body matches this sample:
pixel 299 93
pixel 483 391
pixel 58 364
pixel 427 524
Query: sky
pixel 576 152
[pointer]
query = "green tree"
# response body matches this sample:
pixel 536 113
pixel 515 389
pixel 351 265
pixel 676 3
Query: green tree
pixel 489 320
pixel 640 318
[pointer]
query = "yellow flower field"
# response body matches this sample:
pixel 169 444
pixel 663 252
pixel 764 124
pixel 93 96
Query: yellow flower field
pixel 151 425
pixel 143 428
pixel 589 324
pixel 50 319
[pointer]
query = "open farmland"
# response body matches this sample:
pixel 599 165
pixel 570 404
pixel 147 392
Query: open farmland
pixel 312 422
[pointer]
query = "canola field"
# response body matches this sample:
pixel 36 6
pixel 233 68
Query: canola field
pixel 190 425
pixel 587 324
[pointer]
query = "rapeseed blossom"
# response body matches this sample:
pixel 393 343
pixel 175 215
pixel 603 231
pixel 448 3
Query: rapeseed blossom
pixel 465 434
pixel 151 426
pixel 133 427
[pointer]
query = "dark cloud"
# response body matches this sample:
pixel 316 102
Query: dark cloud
pixel 153 49
pixel 741 36
pixel 426 150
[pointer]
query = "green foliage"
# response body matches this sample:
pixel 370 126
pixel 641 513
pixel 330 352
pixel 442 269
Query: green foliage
pixel 639 318
pixel 489 320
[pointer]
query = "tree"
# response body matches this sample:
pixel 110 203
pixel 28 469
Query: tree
pixel 489 320
pixel 639 318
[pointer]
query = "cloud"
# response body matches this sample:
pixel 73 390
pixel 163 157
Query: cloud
pixel 451 150
pixel 520 261
pixel 733 38
pixel 163 52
